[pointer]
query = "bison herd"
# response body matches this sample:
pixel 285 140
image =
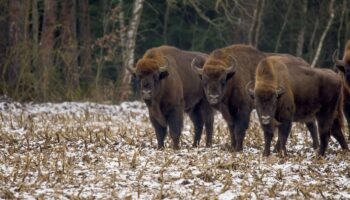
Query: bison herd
pixel 237 79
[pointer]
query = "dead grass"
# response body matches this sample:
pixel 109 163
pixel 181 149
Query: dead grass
pixel 89 151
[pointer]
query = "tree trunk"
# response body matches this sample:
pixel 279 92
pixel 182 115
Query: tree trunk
pixel 84 38
pixel 166 18
pixel 47 44
pixel 257 19
pixel 15 36
pixel 35 32
pixel 323 36
pixel 18 43
pixel 301 35
pixel 125 88
pixel 312 38
pixel 69 47
pixel 3 42
pixel 286 18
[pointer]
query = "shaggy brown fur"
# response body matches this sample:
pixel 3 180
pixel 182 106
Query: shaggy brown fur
pixel 150 62
pixel 171 92
pixel 306 93
pixel 227 86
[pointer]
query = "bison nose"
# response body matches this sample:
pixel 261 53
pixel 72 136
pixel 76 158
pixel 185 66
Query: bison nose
pixel 146 94
pixel 213 98
pixel 265 119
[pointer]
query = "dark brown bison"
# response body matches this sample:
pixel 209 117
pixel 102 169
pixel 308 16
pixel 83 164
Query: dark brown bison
pixel 169 87
pixel 343 67
pixel 287 91
pixel 224 75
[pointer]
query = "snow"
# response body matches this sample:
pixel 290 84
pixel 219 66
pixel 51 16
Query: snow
pixel 88 150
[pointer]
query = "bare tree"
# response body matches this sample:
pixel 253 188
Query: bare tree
pixel 286 18
pixel 257 20
pixel 128 40
pixel 301 35
pixel 69 47
pixel 323 36
pixel 84 37
pixel 47 45
pixel 3 40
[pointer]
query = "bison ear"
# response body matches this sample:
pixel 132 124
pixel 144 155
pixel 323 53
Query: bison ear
pixel 163 74
pixel 230 73
pixel 279 92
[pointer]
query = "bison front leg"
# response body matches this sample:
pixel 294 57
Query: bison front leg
pixel 209 124
pixel 207 115
pixel 268 134
pixel 311 126
pixel 160 132
pixel 231 128
pixel 283 133
pixel 241 126
pixel 175 121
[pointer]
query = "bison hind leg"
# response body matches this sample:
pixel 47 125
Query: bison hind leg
pixel 311 126
pixel 338 134
pixel 198 123
pixel 347 116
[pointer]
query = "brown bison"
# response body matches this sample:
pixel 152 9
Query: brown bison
pixel 343 67
pixel 169 87
pixel 287 91
pixel 224 75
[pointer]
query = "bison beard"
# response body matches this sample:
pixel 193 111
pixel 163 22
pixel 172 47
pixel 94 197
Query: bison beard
pixel 169 88
pixel 307 93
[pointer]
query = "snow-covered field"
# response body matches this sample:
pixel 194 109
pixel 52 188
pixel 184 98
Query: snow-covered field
pixel 95 151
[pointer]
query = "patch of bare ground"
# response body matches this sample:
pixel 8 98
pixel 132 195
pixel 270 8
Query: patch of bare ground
pixel 95 151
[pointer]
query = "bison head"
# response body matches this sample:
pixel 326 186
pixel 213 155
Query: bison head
pixel 342 65
pixel 215 75
pixel 265 97
pixel 150 72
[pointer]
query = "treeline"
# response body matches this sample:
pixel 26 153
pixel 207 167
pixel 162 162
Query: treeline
pixel 78 49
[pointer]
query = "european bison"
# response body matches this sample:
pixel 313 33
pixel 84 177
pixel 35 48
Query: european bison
pixel 169 87
pixel 287 91
pixel 224 75
pixel 343 67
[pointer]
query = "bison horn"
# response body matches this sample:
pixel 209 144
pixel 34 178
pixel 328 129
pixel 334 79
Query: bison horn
pixel 166 66
pixel 335 59
pixel 194 66
pixel 233 64
pixel 249 89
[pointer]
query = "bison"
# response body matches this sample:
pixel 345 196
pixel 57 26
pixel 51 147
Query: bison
pixel 224 75
pixel 169 87
pixel 287 91
pixel 343 67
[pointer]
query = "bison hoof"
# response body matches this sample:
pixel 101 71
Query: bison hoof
pixel 160 148
pixel 208 145
pixel 266 154
pixel 315 146
pixel 195 144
